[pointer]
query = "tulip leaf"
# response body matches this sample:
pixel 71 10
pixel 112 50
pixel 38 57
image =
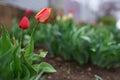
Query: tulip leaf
pixel 43 54
pixel 17 60
pixel 44 67
pixel 5 43
pixel 30 48
pixel 4 65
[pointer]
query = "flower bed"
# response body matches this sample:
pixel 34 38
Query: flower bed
pixel 19 61
pixel 94 44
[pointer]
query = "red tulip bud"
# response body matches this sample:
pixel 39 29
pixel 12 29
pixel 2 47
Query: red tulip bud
pixel 24 23
pixel 61 13
pixel 28 12
pixel 43 15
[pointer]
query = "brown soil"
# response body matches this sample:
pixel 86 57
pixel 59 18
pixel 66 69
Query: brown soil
pixel 69 70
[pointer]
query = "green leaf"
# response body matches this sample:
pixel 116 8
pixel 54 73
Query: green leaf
pixel 30 48
pixel 5 60
pixel 28 66
pixel 33 58
pixel 44 67
pixel 17 60
pixel 26 72
pixel 43 54
pixel 5 43
pixel 86 38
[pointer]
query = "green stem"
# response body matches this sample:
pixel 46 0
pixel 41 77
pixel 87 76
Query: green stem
pixel 34 30
pixel 39 76
pixel 21 38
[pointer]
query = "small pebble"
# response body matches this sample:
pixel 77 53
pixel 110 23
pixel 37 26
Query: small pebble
pixel 49 77
pixel 89 69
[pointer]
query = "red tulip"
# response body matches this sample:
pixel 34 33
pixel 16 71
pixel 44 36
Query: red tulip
pixel 24 23
pixel 61 12
pixel 28 11
pixel 43 15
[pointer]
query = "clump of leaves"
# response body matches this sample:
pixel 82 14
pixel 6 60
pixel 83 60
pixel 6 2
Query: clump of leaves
pixel 17 63
pixel 95 44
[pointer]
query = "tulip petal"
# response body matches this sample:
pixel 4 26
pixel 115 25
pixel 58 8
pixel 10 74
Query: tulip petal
pixel 43 15
pixel 24 23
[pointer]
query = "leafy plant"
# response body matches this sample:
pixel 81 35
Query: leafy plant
pixel 84 44
pixel 105 50
pixel 18 61
pixel 108 20
pixel 94 44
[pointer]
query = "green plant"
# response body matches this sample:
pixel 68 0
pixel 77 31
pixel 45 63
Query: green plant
pixel 67 40
pixel 37 36
pixel 95 44
pixel 84 44
pixel 108 20
pixel 18 61
pixel 104 49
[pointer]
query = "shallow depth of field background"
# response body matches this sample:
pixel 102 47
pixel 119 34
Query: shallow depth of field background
pixel 82 36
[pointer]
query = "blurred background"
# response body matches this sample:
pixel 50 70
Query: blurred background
pixel 85 31
pixel 83 10
pixel 87 11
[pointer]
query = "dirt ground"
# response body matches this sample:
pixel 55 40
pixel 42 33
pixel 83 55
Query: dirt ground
pixel 70 70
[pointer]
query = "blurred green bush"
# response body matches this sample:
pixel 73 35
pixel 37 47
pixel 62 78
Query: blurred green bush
pixel 107 20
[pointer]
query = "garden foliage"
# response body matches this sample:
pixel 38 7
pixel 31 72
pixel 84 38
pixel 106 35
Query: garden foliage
pixel 99 45
pixel 17 63
pixel 18 60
